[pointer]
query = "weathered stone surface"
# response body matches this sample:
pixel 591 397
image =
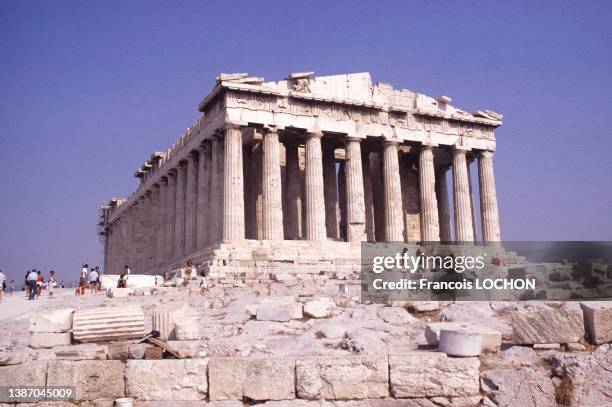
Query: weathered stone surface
pixel 432 374
pixel 108 324
pixel 342 378
pixel 423 306
pixel 59 320
pixel 187 328
pixel 598 321
pixel 385 402
pixel 396 316
pixel 93 379
pixel 115 292
pixel 137 350
pixel 460 343
pixel 164 317
pixel 491 338
pixel 586 378
pixel 255 379
pixel 272 313
pixel 547 325
pixel 170 379
pixel 82 352
pixel 318 308
pixel 119 351
pixel 134 280
pixel 522 387
pixel 49 339
pixel 30 374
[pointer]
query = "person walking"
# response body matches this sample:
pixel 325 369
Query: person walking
pixel 51 283
pixel 12 287
pixel 2 284
pixel 99 282
pixel 40 280
pixel 32 277
pixel 93 280
pixel 26 284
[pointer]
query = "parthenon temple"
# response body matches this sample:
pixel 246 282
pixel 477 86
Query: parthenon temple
pixel 290 174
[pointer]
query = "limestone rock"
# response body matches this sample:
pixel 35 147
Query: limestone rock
pixel 150 379
pixel 547 325
pixel 586 378
pixel 49 339
pixel 364 341
pixel 93 378
pixel 187 328
pixel 396 316
pixel 342 378
pixel 108 324
pixel 59 320
pixel 82 352
pixel 318 308
pixel 523 387
pixel 433 374
pixel 490 338
pixel 272 313
pixel 255 379
pixel 30 374
pixel 598 321
pixel 424 306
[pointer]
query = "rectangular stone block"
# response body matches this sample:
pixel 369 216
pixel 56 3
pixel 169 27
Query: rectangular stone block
pixel 170 379
pixel 27 374
pixel 598 321
pixel 342 377
pixel 93 379
pixel 433 374
pixel 547 325
pixel 251 378
pixel 49 339
pixel 59 320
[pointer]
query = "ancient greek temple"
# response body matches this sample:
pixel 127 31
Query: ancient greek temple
pixel 291 176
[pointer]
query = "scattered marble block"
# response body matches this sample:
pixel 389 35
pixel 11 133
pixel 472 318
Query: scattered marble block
pixel 93 379
pixel 318 308
pixel 119 351
pixel 547 325
pixel 598 321
pixel 58 320
pixel 115 292
pixel 108 324
pixel 82 352
pixel 150 379
pixel 187 328
pixel 49 339
pixel 461 343
pixel 134 281
pixel 33 373
pixel 164 317
pixel 433 374
pixel 272 378
pixel 396 316
pixel 490 338
pixel 423 306
pixel 547 346
pixel 279 312
pixel 342 377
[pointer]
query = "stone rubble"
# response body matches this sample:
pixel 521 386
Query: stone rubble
pixel 547 325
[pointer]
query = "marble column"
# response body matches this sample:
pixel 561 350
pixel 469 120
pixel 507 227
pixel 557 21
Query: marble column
pixel 179 218
pixel 216 207
pixel 355 201
pixel 472 206
pixel 161 221
pixel 367 196
pixel 446 230
pixel 461 199
pixel 271 187
pixel 427 188
pixel 342 198
pixel 315 206
pixel 488 200
pixel 293 186
pixel 394 227
pixel 170 215
pixel 203 197
pixel 151 217
pixel 191 196
pixel 330 186
pixel 256 175
pixel 233 186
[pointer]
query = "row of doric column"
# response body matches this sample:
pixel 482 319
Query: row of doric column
pixel 227 191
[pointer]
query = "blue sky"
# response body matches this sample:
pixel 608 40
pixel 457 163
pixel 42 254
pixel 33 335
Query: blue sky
pixel 89 89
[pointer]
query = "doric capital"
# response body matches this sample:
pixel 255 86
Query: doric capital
pixel 487 154
pixel 269 129
pixel 459 151
pixel 353 139
pixel 391 143
pixel 231 126
pixel 314 134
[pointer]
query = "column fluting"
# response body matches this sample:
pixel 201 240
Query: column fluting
pixel 394 226
pixel 488 200
pixel 461 198
pixel 446 229
pixel 355 205
pixel 427 188
pixel 271 186
pixel 233 186
pixel 315 206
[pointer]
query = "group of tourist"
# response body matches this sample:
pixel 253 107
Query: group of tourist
pixel 89 278
pixel 35 282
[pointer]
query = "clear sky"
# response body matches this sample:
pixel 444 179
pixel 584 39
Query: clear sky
pixel 90 89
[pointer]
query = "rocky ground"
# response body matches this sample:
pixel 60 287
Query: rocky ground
pixel 527 362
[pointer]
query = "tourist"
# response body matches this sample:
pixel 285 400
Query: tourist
pixel 123 277
pixel 12 287
pixel 204 286
pixel 98 282
pixel 93 281
pixel 51 283
pixel 26 284
pixel 62 284
pixel 83 279
pixel 40 280
pixel 188 270
pixel 2 284
pixel 31 279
